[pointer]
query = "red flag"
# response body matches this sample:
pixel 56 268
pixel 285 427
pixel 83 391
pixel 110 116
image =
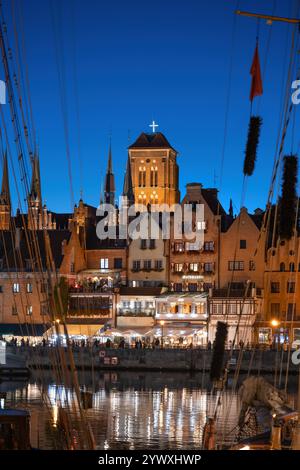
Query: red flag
pixel 256 85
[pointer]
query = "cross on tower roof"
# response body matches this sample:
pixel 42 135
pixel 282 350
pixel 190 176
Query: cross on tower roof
pixel 153 125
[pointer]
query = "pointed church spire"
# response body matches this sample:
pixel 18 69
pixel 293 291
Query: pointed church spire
pixel 35 190
pixel 230 208
pixel 5 192
pixel 128 186
pixel 109 165
pixel 109 190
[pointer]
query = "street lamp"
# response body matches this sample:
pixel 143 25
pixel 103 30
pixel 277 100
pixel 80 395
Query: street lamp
pixel 162 322
pixel 275 324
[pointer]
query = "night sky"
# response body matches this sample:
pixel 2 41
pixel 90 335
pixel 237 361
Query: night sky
pixel 167 60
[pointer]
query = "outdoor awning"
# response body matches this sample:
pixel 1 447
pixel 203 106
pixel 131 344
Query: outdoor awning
pixel 22 329
pixel 75 330
pixel 180 331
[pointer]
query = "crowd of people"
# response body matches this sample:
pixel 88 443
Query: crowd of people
pixel 137 343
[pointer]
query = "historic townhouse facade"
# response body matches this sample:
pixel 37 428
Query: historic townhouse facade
pixel 281 317
pixel 196 268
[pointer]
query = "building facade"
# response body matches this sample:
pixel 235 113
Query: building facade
pixel 237 275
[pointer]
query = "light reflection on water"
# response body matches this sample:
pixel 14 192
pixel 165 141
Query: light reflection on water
pixel 131 410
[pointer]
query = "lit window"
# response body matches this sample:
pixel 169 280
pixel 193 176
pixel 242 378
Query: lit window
pixel 29 310
pixel 201 225
pixel 193 267
pixel 16 288
pixel 178 267
pixel 104 263
pixel 29 288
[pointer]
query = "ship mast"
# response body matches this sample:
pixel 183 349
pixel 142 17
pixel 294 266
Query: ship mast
pixel 269 18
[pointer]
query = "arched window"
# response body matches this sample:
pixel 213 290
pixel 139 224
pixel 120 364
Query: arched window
pixel 282 267
pixel 154 176
pixel 292 267
pixel 142 176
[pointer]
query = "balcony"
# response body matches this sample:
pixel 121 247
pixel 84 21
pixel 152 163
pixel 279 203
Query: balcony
pixel 136 312
pixel 104 312
pixel 93 289
pixel 181 316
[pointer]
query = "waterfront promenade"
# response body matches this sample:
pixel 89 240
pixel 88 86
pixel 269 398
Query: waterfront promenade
pixel 86 358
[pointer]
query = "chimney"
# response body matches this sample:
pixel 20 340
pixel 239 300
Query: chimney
pixel 193 191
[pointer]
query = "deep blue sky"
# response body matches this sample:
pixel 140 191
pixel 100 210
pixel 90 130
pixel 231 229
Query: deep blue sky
pixel 167 60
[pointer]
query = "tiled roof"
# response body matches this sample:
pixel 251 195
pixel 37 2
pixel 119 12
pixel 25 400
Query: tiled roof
pixel 9 253
pixel 94 243
pixel 211 197
pixel 155 140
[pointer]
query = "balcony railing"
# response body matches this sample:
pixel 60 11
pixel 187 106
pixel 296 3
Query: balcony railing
pixel 181 316
pixel 93 289
pixel 136 312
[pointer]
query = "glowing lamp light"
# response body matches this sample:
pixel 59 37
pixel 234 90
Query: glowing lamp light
pixel 274 323
pixel 162 322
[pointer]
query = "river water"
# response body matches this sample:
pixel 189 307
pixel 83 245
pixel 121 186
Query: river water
pixel 131 410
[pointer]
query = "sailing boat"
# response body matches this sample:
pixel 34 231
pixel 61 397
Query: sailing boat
pixel 267 421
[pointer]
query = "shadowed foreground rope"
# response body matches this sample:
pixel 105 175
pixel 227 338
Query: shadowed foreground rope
pixel 288 197
pixel 252 144
pixel 216 368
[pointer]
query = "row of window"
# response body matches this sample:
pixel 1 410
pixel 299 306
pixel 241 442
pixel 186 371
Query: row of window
pixel 292 267
pixel 191 286
pixel 240 265
pixel 147 244
pixel 29 310
pixel 137 305
pixel 153 176
pixel 230 308
pixel 180 247
pixel 290 287
pixel 147 264
pixel 105 264
pixel 193 267
pixel 16 288
pixel 289 315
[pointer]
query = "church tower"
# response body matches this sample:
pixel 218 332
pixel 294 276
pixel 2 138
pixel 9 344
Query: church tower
pixel 109 188
pixel 154 170
pixel 35 196
pixel 128 192
pixel 5 203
